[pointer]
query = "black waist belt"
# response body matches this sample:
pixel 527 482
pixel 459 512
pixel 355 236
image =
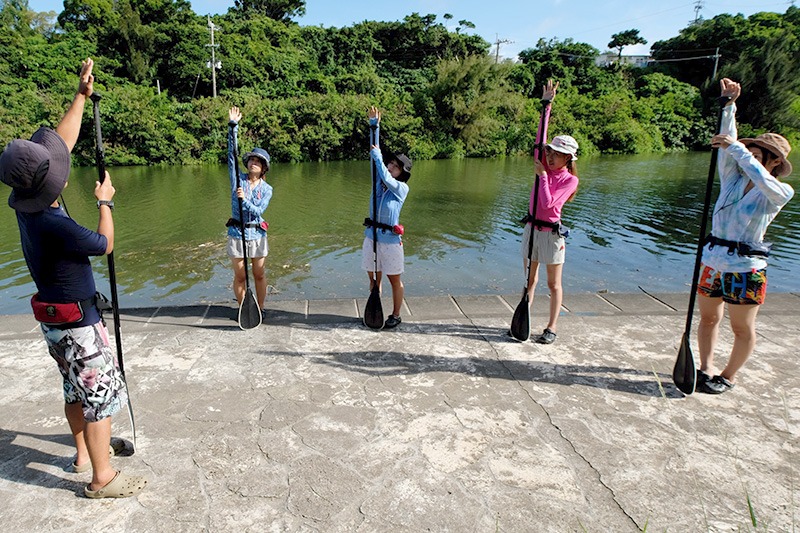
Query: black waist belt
pixel 540 223
pixel 742 248
pixel 380 225
pixel 234 222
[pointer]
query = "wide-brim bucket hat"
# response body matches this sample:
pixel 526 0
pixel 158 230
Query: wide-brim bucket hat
pixel 403 159
pixel 566 145
pixel 778 145
pixel 36 170
pixel 258 153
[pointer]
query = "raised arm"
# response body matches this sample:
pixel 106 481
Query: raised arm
pixel 548 95
pixel 725 165
pixel 234 116
pixel 70 124
pixel 374 117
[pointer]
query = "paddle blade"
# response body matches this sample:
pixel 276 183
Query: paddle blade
pixel 521 321
pixel 684 374
pixel 373 312
pixel 249 313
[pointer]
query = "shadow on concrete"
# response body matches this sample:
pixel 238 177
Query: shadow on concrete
pixel 382 363
pixel 17 461
pixel 224 318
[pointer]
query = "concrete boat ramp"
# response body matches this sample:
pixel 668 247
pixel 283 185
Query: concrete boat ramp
pixel 312 422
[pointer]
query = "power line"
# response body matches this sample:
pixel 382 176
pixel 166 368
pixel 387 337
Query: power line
pixel 497 43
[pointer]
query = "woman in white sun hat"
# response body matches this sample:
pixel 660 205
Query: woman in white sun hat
pixel 558 183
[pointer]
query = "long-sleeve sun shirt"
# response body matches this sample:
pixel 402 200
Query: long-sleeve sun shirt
pixel 555 186
pixel 256 197
pixel 738 216
pixel 391 194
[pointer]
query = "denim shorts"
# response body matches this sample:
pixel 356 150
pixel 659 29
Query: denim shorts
pixel 89 369
pixel 738 288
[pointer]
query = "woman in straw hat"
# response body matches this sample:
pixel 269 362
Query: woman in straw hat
pixel 734 258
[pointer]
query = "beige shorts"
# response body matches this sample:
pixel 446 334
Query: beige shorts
pixel 255 248
pixel 391 259
pixel 549 248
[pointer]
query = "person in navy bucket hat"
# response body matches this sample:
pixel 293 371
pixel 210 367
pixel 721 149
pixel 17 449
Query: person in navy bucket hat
pixel 57 252
pixel 36 170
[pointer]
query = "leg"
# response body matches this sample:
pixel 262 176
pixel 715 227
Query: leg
pixel 711 313
pixel 74 414
pixel 98 439
pixel 532 280
pixel 238 278
pixel 374 277
pixel 397 293
pixel 556 293
pixel 260 279
pixel 743 324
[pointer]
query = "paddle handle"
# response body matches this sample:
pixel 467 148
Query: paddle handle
pixel 100 158
pixel 712 169
pixel 538 153
pixel 241 206
pixel 373 141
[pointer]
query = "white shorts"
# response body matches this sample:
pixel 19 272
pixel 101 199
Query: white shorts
pixel 255 248
pixel 391 259
pixel 549 248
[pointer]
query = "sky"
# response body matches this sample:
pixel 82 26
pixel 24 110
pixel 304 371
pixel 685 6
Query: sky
pixel 522 22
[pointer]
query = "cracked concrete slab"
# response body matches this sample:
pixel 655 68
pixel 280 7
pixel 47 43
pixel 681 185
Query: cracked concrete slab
pixel 314 423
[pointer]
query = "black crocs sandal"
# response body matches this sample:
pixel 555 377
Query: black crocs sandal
pixel 715 385
pixel 548 336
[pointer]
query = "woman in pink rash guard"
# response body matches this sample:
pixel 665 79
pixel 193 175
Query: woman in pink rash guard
pixel 558 183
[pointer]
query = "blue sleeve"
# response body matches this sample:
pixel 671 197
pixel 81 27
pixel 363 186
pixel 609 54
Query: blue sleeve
pixel 375 126
pixel 233 129
pixel 256 206
pixel 398 188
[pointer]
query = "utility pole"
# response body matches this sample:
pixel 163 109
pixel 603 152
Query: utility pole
pixel 497 44
pixel 213 64
pixel 716 64
pixel 698 5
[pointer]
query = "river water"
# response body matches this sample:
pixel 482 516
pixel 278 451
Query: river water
pixel 635 222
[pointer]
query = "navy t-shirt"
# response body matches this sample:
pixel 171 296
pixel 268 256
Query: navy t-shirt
pixel 57 251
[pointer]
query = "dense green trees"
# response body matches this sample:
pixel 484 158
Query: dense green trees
pixel 304 90
pixel 625 38
pixel 763 51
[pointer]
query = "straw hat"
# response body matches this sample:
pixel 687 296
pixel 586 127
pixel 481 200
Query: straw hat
pixel 776 144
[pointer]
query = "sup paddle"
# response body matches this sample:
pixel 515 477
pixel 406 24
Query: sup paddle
pixel 249 312
pixel 521 321
pixel 373 312
pixel 684 374
pixel 100 157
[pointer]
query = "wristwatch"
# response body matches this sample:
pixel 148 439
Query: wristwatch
pixel 109 203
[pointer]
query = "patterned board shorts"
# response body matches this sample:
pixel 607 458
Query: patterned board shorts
pixel 742 288
pixel 89 368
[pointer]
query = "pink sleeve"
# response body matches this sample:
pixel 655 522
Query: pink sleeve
pixel 538 151
pixel 552 199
